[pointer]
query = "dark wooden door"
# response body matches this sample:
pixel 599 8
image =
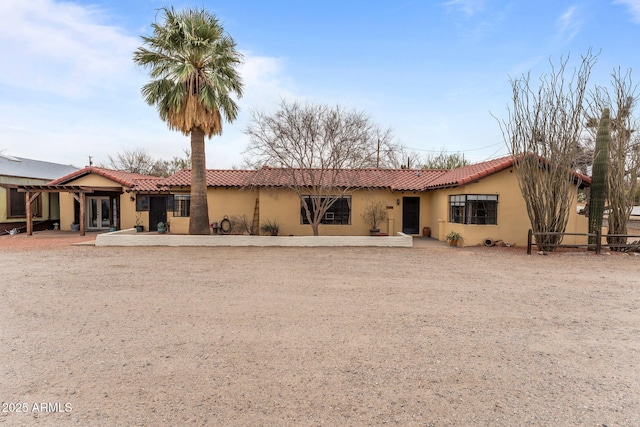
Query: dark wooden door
pixel 157 211
pixel 410 215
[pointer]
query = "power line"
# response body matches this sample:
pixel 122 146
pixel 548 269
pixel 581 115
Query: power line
pixel 492 156
pixel 455 151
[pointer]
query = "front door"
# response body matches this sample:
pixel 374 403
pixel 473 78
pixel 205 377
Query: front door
pixel 157 211
pixel 410 215
pixel 98 213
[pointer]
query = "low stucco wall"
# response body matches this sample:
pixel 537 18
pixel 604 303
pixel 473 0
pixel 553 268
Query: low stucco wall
pixel 129 237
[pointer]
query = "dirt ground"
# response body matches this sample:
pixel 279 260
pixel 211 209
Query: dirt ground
pixel 428 336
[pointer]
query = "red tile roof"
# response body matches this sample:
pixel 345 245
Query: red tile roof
pixel 126 179
pixel 148 184
pixel 393 179
pixel 215 178
pixel 471 173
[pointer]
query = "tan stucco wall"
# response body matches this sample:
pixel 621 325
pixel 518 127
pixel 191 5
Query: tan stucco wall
pixel 513 220
pixel 177 225
pixel 66 201
pixel 221 202
pixel 283 207
pixel 128 214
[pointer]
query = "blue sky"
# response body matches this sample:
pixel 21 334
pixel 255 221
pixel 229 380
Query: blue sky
pixel 432 71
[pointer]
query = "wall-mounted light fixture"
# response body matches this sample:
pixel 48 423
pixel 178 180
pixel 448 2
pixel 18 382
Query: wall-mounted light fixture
pixel 398 202
pixel 133 199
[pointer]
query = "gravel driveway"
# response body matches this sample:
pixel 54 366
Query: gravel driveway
pixel 430 336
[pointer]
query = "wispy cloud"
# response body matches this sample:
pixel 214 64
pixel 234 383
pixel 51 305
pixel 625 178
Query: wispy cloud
pixel 66 50
pixel 472 18
pixel 569 24
pixel 633 6
pixel 69 73
pixel 61 48
pixel 468 7
pixel 265 81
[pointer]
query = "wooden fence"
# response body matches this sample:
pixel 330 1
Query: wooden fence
pixel 593 246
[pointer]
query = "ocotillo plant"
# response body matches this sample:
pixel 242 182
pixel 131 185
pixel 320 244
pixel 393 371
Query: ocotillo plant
pixel 599 175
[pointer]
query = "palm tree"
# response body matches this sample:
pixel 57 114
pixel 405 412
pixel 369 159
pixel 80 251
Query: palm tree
pixel 192 63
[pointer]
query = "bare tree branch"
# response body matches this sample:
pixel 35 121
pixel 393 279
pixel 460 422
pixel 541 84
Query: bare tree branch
pixel 624 155
pixel 542 132
pixel 311 146
pixel 140 161
pixel 444 160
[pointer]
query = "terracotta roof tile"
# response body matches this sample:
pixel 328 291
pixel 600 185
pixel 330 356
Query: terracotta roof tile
pixel 395 179
pixel 471 173
pixel 126 179
pixel 134 181
pixel 148 184
pixel 215 178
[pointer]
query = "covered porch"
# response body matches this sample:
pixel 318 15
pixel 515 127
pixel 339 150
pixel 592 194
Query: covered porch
pixel 97 207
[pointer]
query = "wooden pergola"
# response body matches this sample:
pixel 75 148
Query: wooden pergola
pixel 77 191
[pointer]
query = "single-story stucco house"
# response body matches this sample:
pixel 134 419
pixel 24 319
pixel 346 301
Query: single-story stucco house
pixel 480 201
pixel 17 171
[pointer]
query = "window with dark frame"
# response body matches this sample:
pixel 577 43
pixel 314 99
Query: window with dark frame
pixel 16 204
pixel 480 209
pixel 338 214
pixel 181 205
pixel 142 202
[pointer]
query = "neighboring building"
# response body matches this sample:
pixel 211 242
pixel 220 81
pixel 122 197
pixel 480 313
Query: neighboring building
pixel 480 201
pixel 16 171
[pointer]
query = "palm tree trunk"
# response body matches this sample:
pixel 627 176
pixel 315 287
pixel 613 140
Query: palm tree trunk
pixel 199 215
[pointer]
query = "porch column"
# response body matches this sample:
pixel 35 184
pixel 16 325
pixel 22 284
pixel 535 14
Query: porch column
pixel 27 200
pixel 83 200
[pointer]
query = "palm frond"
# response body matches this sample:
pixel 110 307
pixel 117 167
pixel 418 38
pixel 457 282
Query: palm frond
pixel 193 64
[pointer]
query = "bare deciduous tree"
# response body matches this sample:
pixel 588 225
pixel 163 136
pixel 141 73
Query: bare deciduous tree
pixel 542 132
pixel 136 160
pixel 167 168
pixel 140 161
pixel 397 156
pixel 624 158
pixel 312 146
pixel 444 160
